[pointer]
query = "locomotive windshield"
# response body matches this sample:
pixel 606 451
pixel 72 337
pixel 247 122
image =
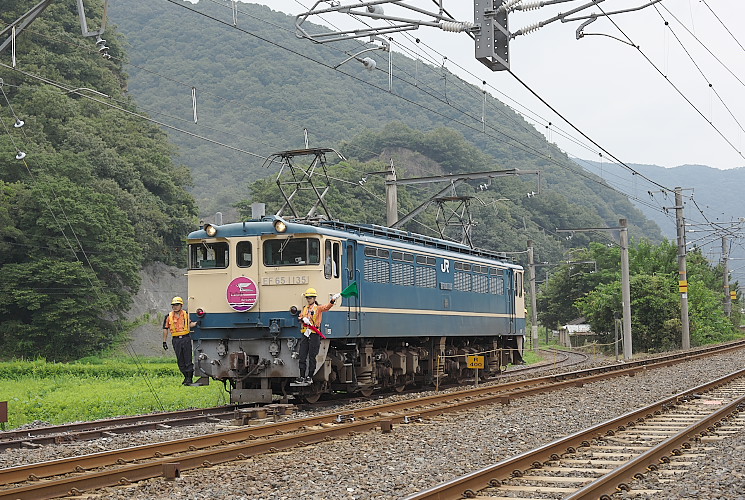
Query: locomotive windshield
pixel 292 252
pixel 208 255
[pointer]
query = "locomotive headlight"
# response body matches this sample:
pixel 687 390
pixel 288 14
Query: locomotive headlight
pixel 280 226
pixel 294 310
pixel 210 230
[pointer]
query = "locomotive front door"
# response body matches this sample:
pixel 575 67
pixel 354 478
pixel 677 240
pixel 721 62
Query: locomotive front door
pixel 352 273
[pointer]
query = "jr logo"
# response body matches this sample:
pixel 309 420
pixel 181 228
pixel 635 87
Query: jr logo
pixel 445 266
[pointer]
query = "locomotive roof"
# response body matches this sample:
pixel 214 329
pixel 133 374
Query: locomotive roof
pixel 369 232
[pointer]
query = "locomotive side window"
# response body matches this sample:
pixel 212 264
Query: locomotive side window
pixel 403 256
pixel 350 262
pixel 292 252
pixel 425 260
pixel 212 255
pixel 377 252
pixel 244 251
pixel 331 260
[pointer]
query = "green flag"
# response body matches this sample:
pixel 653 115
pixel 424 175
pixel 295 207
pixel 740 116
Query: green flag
pixel 351 290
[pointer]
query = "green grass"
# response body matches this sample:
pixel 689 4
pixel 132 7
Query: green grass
pixel 92 389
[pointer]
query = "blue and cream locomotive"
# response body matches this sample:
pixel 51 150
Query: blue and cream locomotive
pixel 422 305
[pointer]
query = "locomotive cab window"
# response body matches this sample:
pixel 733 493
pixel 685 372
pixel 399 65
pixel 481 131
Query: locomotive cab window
pixel 244 256
pixel 213 255
pixel 331 259
pixel 292 252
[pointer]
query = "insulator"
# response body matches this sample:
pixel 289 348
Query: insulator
pixel 530 6
pixel 528 29
pixel 508 5
pixel 456 26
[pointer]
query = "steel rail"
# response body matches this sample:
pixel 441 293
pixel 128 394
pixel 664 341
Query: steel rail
pixel 368 418
pixel 465 399
pixel 609 483
pixel 492 475
pixel 59 435
pixel 81 427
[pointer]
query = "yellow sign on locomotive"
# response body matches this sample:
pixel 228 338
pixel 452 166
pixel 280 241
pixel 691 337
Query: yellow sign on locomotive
pixel 475 362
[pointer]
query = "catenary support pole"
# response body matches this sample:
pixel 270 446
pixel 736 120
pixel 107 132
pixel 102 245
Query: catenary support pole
pixel 682 273
pixel 625 290
pixel 391 195
pixel 725 265
pixel 534 311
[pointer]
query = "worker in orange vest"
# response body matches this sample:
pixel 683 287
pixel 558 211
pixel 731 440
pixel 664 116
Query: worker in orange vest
pixel 178 324
pixel 310 326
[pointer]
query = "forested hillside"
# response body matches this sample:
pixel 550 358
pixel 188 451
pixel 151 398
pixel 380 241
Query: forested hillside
pixel 95 196
pixel 257 96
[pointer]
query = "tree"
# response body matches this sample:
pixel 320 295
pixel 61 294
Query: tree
pixel 95 197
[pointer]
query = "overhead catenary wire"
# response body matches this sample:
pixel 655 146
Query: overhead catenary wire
pixel 701 72
pixel 524 147
pixel 675 87
pixel 492 105
pixel 723 25
pixel 582 174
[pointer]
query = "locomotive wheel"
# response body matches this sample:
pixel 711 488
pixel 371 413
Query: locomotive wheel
pixel 367 392
pixel 312 398
pixel 399 388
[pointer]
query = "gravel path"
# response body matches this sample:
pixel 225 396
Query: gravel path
pixel 416 456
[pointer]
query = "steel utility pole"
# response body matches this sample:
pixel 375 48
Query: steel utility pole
pixel 625 289
pixel 682 273
pixel 725 264
pixel 534 311
pixel 391 195
pixel 625 281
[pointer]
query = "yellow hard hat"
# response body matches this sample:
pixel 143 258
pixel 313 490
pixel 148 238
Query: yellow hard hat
pixel 311 292
pixel 177 300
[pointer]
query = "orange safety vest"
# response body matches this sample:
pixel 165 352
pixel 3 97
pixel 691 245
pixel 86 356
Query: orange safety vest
pixel 178 325
pixel 314 313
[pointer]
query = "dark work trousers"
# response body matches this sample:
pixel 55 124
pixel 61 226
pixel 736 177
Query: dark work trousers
pixel 309 347
pixel 182 348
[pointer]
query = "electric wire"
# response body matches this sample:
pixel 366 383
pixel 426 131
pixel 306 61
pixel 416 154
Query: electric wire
pixel 638 48
pixel 711 86
pixel 215 141
pixel 525 147
pixel 723 25
pixel 727 68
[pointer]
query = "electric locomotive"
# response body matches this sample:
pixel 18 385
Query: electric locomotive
pixel 417 307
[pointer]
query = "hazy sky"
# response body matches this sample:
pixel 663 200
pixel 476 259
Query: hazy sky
pixel 605 87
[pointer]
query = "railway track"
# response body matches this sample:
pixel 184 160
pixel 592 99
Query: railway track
pixel 606 458
pixel 83 431
pixel 72 475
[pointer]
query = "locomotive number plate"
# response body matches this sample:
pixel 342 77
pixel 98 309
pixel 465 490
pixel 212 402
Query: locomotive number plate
pixel 285 280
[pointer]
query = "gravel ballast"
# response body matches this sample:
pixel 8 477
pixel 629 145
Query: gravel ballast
pixel 417 456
